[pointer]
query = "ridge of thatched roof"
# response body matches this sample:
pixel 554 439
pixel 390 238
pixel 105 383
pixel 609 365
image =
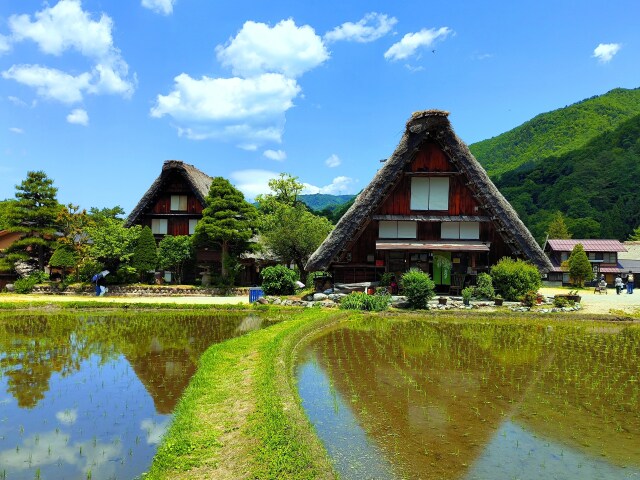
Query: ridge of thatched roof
pixel 197 180
pixel 422 126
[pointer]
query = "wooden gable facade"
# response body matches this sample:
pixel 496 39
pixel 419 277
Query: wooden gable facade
pixel 432 207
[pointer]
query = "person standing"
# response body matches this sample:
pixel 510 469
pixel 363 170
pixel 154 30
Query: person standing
pixel 630 280
pixel 618 284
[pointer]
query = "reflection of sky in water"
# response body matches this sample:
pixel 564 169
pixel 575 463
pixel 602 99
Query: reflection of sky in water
pixel 514 452
pixel 100 418
pixel 352 454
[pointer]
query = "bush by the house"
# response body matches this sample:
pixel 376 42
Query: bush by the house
pixel 513 278
pixel 484 286
pixel 26 284
pixel 278 280
pixel 418 288
pixel 362 301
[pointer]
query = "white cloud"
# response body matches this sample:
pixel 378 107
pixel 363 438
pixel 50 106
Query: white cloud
pixel 277 155
pixel 250 110
pixel 284 48
pixel 339 186
pixel 411 42
pixel 16 130
pixel 371 27
pixel 5 44
pixel 332 161
pixel 604 52
pixel 253 182
pixel 67 27
pixel 164 7
pixel 78 117
pixel 50 83
pixel 67 417
pixel 154 430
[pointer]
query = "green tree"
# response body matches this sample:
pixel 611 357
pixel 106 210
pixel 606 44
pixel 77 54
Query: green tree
pixel 513 278
pixel 558 228
pixel 284 190
pixel 635 235
pixel 72 224
pixel 228 221
pixel 4 212
pixel 111 243
pixel 579 266
pixel 64 257
pixel 145 253
pixel 99 214
pixel 174 252
pixel 33 214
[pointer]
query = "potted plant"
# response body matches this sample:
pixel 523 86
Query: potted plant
pixel 497 300
pixel 442 300
pixel 467 293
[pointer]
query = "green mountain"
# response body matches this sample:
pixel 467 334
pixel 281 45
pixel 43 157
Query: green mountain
pixel 557 132
pixel 596 186
pixel 321 201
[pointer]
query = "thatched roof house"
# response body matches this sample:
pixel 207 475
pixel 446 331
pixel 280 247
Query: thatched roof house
pixel 176 177
pixel 429 189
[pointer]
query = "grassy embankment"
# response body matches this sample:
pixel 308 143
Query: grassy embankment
pixel 240 416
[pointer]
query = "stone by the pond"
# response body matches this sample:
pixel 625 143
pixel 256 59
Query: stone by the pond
pixel 318 297
pixel 10 287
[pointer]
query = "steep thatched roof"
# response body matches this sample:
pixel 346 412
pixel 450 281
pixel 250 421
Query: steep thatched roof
pixel 429 125
pixel 197 180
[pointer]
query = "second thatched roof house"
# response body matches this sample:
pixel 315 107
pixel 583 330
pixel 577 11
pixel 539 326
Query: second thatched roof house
pixel 431 206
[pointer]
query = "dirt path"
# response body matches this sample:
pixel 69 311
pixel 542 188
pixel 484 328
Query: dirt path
pixel 597 303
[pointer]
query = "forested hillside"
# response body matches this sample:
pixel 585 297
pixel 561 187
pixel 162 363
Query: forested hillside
pixel 596 186
pixel 557 132
pixel 321 201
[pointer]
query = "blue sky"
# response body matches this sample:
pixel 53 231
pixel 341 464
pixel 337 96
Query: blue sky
pixel 99 93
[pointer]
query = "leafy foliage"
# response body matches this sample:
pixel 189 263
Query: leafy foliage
pixel 484 286
pixel 278 280
pixel 558 227
pixel 635 235
pixel 228 220
pixel 513 278
pixel 33 214
pixel 145 255
pixel 112 244
pixel 174 252
pixel 64 257
pixel 579 266
pixel 418 288
pixel 362 301
pixel 26 284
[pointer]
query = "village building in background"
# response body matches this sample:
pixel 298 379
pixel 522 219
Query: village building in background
pixel 172 206
pixel 431 206
pixel 603 256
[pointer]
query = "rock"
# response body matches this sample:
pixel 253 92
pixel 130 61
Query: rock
pixel 10 287
pixel 318 297
pixel 336 296
pixel 263 301
pixel 277 301
pixel 401 304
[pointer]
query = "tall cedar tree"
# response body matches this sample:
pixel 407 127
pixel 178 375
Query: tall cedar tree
pixel 33 214
pixel 228 220
pixel 579 266
pixel 558 228
pixel 635 235
pixel 145 253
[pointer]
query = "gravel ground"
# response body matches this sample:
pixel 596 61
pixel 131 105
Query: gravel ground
pixel 600 303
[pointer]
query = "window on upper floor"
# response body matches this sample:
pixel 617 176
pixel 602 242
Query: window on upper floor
pixel 178 203
pixel 400 229
pixel 430 193
pixel 460 230
pixel 159 226
pixel 192 226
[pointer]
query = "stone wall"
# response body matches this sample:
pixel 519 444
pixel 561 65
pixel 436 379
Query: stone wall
pixel 143 291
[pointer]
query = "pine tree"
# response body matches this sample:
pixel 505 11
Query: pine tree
pixel 33 214
pixel 558 228
pixel 228 220
pixel 635 235
pixel 579 266
pixel 145 253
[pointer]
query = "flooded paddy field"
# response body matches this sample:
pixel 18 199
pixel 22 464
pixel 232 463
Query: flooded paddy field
pixel 475 399
pixel 89 395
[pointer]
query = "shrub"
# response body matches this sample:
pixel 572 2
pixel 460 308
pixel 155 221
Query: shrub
pixel 278 280
pixel 561 302
pixel 513 278
pixel 418 287
pixel 385 279
pixel 362 301
pixel 467 293
pixel 26 284
pixel 530 298
pixel 484 287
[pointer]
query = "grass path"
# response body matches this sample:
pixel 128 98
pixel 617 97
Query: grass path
pixel 240 417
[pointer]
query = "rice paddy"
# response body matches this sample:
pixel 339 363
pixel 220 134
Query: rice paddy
pixel 90 395
pixel 475 398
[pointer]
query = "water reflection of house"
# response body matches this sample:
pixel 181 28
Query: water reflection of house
pixel 430 206
pixel 603 255
pixel 173 205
